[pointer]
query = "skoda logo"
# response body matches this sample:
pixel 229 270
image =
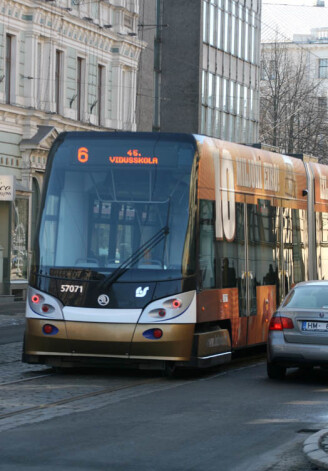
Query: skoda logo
pixel 103 300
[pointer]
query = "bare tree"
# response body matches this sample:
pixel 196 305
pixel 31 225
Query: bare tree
pixel 292 103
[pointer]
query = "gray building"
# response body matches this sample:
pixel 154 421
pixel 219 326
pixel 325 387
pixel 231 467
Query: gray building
pixel 205 74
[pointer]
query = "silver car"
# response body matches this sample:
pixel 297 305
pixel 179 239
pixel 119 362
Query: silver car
pixel 298 330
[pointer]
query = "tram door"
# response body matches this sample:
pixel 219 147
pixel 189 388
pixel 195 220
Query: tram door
pixel 285 253
pixel 293 248
pixel 262 266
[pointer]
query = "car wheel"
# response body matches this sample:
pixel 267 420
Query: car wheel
pixel 276 371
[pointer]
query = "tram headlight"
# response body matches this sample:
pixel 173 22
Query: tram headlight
pixel 174 303
pixel 43 305
pixel 169 308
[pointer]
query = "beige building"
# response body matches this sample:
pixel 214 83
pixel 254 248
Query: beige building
pixel 64 65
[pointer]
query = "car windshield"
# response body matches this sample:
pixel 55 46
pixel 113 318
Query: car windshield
pixel 307 297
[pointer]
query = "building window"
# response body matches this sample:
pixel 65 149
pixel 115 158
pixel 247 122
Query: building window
pixel 219 30
pixel 209 123
pixel 212 25
pixel 205 22
pixel 128 21
pixel 80 72
pixel 246 37
pixel 39 81
pixel 238 99
pixel 253 39
pixel 203 121
pixel 100 94
pixel 128 100
pixel 58 81
pixel 19 239
pixel 9 72
pixel 35 206
pixel 227 33
pixel 241 33
pixel 204 78
pixel 233 29
pixel 210 90
pixel 323 68
pixel 225 95
pixel 232 98
pixel 245 110
pixel 217 93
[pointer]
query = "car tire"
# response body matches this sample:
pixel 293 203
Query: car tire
pixel 276 371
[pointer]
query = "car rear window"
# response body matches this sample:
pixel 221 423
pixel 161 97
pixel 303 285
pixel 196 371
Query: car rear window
pixel 308 297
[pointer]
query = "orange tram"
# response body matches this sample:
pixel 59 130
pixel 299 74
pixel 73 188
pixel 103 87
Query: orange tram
pixel 163 250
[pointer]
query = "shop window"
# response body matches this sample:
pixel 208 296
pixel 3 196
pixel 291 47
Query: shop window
pixel 19 240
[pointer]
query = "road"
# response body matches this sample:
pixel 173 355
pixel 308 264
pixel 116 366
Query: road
pixel 231 418
pixel 11 333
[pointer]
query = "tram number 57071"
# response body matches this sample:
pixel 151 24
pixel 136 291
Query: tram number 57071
pixel 71 289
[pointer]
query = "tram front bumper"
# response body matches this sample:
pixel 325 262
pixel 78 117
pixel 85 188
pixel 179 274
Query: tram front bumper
pixel 105 340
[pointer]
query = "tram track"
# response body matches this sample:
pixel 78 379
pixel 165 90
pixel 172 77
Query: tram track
pixel 75 398
pixel 24 380
pixel 43 385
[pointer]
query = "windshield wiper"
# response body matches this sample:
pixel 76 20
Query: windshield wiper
pixel 135 257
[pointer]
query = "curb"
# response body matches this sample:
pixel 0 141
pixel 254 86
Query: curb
pixel 315 448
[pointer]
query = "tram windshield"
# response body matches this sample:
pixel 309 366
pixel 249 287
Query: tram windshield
pixel 113 201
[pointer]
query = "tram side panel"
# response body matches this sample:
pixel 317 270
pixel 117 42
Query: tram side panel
pixel 320 174
pixel 253 236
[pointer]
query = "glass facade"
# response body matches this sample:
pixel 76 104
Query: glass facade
pixel 229 104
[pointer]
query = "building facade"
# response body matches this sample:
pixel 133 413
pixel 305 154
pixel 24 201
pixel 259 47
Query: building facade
pixel 206 67
pixel 64 65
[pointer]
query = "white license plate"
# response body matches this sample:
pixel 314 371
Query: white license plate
pixel 315 326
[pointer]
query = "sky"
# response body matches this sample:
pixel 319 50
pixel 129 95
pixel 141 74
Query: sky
pixel 293 2
pixel 307 20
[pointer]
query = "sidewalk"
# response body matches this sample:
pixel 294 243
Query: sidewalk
pixel 316 448
pixel 12 313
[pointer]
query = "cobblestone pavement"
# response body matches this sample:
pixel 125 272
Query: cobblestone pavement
pixel 11 367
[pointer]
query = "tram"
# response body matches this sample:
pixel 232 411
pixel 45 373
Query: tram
pixel 162 250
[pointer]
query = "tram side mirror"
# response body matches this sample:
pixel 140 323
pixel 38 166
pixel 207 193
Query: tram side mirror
pixel 305 192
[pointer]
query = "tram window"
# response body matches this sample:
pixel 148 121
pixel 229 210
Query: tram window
pixel 50 229
pixel 228 274
pixel 294 230
pixel 207 244
pixel 322 245
pixel 263 230
pixel 230 256
pixel 300 245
